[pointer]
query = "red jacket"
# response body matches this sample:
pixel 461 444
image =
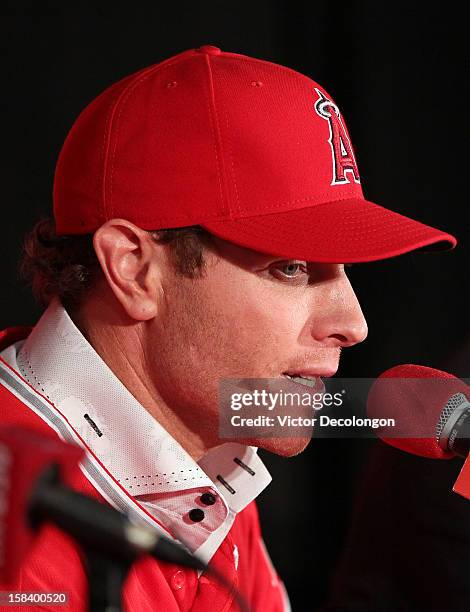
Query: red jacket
pixel 55 561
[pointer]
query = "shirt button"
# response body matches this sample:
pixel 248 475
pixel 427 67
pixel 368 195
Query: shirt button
pixel 209 49
pixel 208 499
pixel 178 580
pixel 196 515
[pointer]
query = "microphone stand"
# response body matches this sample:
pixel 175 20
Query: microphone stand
pixel 106 561
pixel 106 578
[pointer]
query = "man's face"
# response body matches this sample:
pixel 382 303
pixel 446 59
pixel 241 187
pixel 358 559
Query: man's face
pixel 250 316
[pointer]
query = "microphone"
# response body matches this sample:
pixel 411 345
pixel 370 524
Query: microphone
pixel 431 409
pixel 430 404
pixel 33 470
pixel 32 466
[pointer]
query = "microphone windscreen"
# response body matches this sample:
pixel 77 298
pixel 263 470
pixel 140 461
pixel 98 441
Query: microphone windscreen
pixel 414 396
pixel 24 454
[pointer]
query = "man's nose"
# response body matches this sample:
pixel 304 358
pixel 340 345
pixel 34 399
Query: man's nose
pixel 338 320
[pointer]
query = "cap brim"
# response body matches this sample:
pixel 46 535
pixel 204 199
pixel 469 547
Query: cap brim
pixel 344 231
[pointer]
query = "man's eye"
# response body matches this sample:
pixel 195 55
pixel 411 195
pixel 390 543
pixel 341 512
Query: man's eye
pixel 291 269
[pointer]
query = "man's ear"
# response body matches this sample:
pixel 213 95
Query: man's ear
pixel 128 257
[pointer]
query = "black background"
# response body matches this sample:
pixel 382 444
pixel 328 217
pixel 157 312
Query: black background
pixel 399 75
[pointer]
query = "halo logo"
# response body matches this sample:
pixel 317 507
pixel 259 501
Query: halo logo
pixel 341 149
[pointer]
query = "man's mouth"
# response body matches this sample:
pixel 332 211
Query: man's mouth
pixel 312 382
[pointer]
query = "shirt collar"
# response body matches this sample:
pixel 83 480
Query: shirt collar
pixel 59 362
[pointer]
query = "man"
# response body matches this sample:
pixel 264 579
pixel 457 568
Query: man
pixel 204 209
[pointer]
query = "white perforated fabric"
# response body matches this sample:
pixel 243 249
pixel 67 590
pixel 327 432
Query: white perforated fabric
pixel 107 420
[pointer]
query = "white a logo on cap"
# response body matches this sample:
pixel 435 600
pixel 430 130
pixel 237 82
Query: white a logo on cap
pixel 344 162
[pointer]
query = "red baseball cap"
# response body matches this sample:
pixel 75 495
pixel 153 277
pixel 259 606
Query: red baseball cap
pixel 255 152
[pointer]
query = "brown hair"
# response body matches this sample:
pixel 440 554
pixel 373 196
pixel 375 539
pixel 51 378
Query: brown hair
pixel 67 266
